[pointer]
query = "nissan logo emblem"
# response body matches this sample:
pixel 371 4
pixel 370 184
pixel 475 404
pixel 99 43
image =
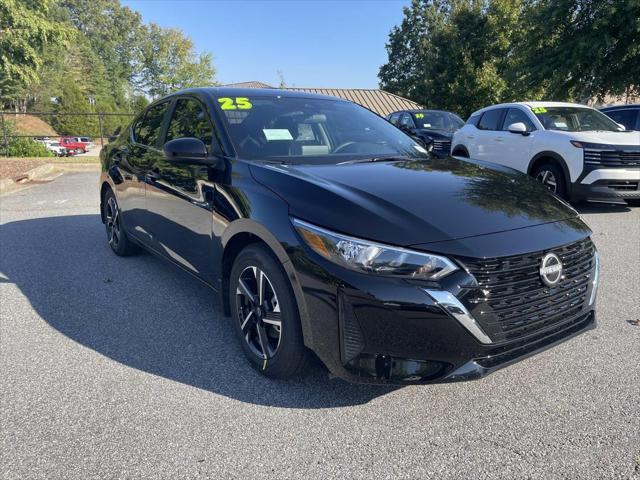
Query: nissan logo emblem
pixel 551 269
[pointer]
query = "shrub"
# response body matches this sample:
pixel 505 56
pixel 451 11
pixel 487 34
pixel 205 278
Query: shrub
pixel 26 147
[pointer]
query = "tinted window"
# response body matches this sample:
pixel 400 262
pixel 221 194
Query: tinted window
pixel 190 120
pixel 490 119
pixel 407 121
pixel 394 118
pixel 515 115
pixel 624 117
pixel 295 129
pixel 147 129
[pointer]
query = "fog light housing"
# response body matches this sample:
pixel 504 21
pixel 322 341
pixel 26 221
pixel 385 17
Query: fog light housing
pixel 396 369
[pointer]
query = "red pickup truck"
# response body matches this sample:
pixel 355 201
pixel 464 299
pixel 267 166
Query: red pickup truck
pixel 72 145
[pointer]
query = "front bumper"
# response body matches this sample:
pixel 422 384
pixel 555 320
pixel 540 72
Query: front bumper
pixel 369 329
pixel 608 186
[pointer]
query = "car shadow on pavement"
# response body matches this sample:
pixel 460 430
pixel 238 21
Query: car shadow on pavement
pixel 146 314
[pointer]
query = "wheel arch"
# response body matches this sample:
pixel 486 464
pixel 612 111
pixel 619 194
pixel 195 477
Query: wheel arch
pixel 459 148
pixel 553 158
pixel 244 232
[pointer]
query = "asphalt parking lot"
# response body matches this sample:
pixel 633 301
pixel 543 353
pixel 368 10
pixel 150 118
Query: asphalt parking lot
pixel 125 368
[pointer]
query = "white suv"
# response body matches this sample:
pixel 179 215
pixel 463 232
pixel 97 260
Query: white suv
pixel 576 151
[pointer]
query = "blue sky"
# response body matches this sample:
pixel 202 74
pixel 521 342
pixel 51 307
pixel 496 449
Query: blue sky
pixel 330 43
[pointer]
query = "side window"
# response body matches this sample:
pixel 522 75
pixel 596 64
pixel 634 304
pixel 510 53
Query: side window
pixel 473 119
pixel 190 120
pixel 515 115
pixel 394 118
pixel 147 129
pixel 491 119
pixel 624 117
pixel 407 121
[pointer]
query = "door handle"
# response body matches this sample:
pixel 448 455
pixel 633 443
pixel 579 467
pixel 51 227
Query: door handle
pixel 471 137
pixel 499 139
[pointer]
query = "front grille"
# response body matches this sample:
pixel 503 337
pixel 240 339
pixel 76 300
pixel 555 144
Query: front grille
pixel 623 185
pixel 442 145
pixel 511 301
pixel 612 158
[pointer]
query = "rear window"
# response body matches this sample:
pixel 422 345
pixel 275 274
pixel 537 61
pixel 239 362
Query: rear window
pixel 491 119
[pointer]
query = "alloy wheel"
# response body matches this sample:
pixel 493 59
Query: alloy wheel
pixel 548 179
pixel 259 312
pixel 112 215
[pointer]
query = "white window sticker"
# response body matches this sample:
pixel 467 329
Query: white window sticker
pixel 277 134
pixel 561 124
pixel 426 125
pixel 420 148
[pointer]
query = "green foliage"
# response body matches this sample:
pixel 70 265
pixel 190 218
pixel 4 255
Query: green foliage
pixel 462 55
pixel 579 49
pixel 25 27
pixel 90 56
pixel 26 147
pixel 170 63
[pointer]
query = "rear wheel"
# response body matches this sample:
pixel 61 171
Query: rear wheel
pixel 265 314
pixel 552 177
pixel 116 235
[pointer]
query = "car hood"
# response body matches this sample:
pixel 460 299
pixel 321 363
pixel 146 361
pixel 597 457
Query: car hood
pixel 609 138
pixel 444 134
pixel 413 202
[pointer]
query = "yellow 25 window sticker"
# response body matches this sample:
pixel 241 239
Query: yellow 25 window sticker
pixel 539 110
pixel 238 103
pixel 419 115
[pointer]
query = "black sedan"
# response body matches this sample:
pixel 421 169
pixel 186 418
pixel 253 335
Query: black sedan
pixel 433 128
pixel 323 227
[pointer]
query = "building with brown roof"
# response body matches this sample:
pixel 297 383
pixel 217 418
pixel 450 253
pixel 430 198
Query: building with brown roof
pixel 381 102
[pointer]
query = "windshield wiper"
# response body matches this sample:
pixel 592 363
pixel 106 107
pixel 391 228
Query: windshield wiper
pixel 393 158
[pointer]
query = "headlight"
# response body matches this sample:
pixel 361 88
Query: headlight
pixel 370 257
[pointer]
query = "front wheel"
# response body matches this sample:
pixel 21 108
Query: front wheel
pixel 116 235
pixel 265 314
pixel 552 177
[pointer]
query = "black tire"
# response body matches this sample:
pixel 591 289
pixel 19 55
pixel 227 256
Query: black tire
pixel 286 354
pixel 552 177
pixel 116 234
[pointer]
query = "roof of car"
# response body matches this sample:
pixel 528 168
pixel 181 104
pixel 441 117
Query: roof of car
pixel 532 104
pixel 252 92
pixel 622 106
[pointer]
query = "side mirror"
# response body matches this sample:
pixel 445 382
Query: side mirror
pixel 187 150
pixel 518 127
pixel 621 127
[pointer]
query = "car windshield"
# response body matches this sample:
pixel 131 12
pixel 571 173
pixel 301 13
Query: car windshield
pixel 311 130
pixel 574 119
pixel 433 120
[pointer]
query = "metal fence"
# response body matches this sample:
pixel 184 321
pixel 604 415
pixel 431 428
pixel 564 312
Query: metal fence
pixel 100 126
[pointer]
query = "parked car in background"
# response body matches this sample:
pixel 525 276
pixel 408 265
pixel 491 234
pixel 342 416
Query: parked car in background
pixel 73 146
pixel 324 227
pixel 576 151
pixel 433 127
pixel 56 148
pixel 86 141
pixel 627 115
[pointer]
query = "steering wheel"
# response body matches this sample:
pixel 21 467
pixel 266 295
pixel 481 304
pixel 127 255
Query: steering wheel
pixel 342 146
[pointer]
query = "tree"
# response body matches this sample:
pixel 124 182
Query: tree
pixel 580 49
pixel 25 28
pixel 453 54
pixel 465 54
pixel 169 62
